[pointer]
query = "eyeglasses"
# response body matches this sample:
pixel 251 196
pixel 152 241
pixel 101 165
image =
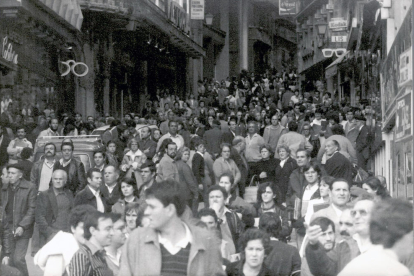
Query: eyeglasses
pixel 362 213
pixel 340 52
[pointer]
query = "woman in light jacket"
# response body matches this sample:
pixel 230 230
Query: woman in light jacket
pixel 132 161
pixel 129 191
pixel 225 164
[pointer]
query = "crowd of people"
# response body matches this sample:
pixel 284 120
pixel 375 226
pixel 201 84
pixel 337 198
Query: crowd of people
pixel 248 176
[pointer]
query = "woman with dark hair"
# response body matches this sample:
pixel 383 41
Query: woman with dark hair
pixel 156 135
pixel 134 216
pixel 285 166
pixel 255 246
pixel 265 168
pixel 111 157
pixel 128 190
pixel 373 186
pixel 158 156
pixel 268 197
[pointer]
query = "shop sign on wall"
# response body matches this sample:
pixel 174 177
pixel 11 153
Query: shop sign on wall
pixel 287 7
pixel 338 23
pixel 406 72
pixel 7 51
pixel 179 16
pixel 197 9
pixel 403 127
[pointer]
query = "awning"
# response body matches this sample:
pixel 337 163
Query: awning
pixel 259 35
pixel 332 69
pixel 67 9
pixel 218 36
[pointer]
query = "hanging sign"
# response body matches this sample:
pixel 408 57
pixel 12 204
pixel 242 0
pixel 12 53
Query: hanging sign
pixel 404 113
pixel 71 64
pixel 340 38
pixel 197 9
pixel 338 23
pixel 7 52
pixel 287 7
pixel 406 68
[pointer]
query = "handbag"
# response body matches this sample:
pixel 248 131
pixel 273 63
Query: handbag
pixel 250 193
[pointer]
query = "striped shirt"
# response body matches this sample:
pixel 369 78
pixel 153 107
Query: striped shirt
pixel 89 261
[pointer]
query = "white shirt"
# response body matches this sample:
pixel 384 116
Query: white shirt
pixel 115 259
pixel 282 162
pixel 110 188
pixel 46 175
pixel 307 194
pixel 99 204
pixel 175 248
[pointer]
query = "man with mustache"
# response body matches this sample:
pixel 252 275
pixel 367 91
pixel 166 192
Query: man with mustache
pixel 41 174
pixel 52 130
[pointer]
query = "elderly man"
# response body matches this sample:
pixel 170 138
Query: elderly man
pixel 18 204
pixel 337 165
pixel 53 207
pixel 391 232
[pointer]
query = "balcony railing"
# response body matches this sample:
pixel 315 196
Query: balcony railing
pixel 111 6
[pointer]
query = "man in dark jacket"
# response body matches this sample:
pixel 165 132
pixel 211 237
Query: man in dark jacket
pixel 18 204
pixel 73 167
pixel 337 165
pixel 53 208
pixel 213 138
pixel 110 188
pixel 91 194
pixel 4 143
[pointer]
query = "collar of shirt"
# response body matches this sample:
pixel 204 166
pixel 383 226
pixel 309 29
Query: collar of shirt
pixel 200 153
pixel 282 162
pixel 53 132
pixel 56 192
pixel 92 247
pixel 110 188
pixel 115 259
pixel 314 187
pixel 63 163
pixel 176 135
pixel 50 164
pixel 337 210
pixel 175 248
pixel 362 247
pixel 101 167
pixel 95 193
pixel 223 216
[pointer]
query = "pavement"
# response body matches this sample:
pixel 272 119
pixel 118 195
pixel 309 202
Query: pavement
pixel 33 269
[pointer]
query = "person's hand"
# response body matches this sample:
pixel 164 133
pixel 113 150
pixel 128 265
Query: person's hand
pixel 6 260
pixel 313 232
pixel 124 167
pixel 263 175
pixel 146 151
pixel 18 232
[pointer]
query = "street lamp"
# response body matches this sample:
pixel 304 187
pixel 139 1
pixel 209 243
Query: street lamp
pixel 209 19
pixel 322 26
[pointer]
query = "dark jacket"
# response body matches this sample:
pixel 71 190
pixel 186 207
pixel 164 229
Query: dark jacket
pixel 316 144
pixel 267 166
pixel 282 175
pixel 339 166
pixel 47 211
pixel 76 176
pixel 4 156
pixel 37 171
pixel 236 227
pixel 284 259
pixel 236 269
pixel 198 167
pixel 149 146
pixel 281 213
pixel 213 139
pixel 87 197
pixel 24 212
pixel 188 181
pixel 27 165
pixel 111 198
pixel 243 167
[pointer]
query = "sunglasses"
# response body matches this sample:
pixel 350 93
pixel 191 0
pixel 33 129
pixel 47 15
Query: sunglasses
pixel 362 213
pixel 340 52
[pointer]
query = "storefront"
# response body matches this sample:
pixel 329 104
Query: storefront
pixel 32 37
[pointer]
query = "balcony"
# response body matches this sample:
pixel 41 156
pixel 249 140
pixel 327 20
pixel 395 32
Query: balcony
pixel 107 6
pixel 286 34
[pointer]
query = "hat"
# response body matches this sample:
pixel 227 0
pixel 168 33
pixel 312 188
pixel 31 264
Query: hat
pixel 18 165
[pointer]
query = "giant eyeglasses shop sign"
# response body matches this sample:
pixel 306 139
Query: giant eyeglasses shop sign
pixel 7 52
pixel 287 7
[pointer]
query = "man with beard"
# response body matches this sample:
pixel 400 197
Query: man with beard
pixel 41 174
pixel 167 168
pixel 346 223
pixel 52 130
pixel 146 144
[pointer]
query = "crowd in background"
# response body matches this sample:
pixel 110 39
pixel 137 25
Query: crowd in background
pixel 248 176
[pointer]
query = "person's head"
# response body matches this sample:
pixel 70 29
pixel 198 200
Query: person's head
pixel 20 132
pixel 78 117
pixel 50 150
pixel 306 129
pixel 391 225
pixel 226 181
pixel 76 221
pixel 111 147
pixel 324 186
pixel 331 147
pixel 54 124
pixel 217 195
pixel 133 145
pixel 209 217
pixel 59 179
pixel 166 202
pixel 346 223
pixel 199 145
pixel 255 245
pixel 251 127
pixel 171 150
pixel 156 134
pixel 275 120
pixel 145 132
pixel 239 143
pixel 98 227
pixel 225 151
pixel 270 223
pixel 94 178
pixel 327 238
pixel 111 175
pixel 233 123
pixel 67 150
pixel 349 115
pixel 148 171
pixel 15 173
pixel 4 176
pixel 340 192
pixel 283 151
pixel 361 214
pixel 268 193
pixel 373 186
pixel 99 158
pixel 119 230
pixel 27 153
pixel 302 157
pixel 338 130
pixel 183 154
pixel 127 187
pixel 312 172
pixel 383 180
pixel 266 151
pixel 131 212
pixel 293 126
pixel 173 127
